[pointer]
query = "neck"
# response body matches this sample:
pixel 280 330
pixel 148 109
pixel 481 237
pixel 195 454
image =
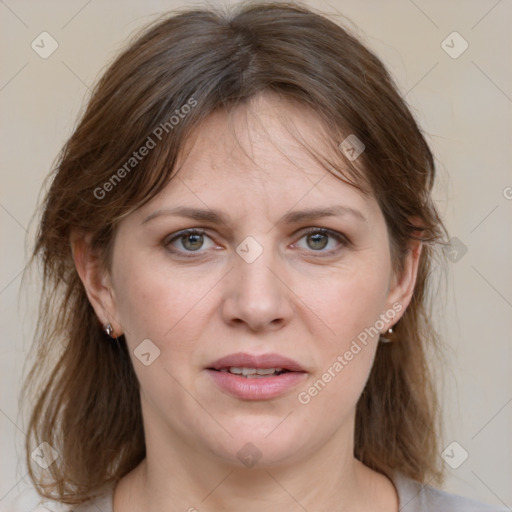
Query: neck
pixel 183 479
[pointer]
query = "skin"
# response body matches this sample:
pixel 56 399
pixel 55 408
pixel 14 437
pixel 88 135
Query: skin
pixel 294 300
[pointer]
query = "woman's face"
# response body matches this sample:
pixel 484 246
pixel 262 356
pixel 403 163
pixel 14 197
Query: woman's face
pixel 254 291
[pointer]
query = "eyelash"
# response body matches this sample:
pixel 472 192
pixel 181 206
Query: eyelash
pixel 340 238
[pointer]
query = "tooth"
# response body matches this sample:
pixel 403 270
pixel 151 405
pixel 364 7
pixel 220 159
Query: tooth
pixel 248 371
pixel 252 372
pixel 267 371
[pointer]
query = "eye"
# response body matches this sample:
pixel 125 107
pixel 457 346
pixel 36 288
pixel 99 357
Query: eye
pixel 193 240
pixel 190 240
pixel 317 239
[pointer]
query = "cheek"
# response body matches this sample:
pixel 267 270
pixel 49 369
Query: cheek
pixel 330 398
pixel 345 363
pixel 347 303
pixel 164 306
pixel 349 306
pixel 167 310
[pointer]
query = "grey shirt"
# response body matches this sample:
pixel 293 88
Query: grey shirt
pixel 413 497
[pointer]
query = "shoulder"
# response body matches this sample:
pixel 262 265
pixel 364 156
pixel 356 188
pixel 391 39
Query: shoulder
pixel 417 497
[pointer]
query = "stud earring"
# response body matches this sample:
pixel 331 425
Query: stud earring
pixel 387 337
pixel 109 330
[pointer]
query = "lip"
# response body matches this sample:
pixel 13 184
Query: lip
pixel 242 359
pixel 260 388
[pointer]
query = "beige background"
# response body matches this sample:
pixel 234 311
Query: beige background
pixel 464 105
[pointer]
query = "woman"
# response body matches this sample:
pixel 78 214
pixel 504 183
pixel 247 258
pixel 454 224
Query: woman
pixel 236 247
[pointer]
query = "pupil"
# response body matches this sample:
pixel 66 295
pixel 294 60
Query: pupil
pixel 315 239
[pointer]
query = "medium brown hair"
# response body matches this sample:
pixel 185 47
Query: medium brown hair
pixel 87 405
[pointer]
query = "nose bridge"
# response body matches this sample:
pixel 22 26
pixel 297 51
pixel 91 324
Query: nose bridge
pixel 256 294
pixel 253 267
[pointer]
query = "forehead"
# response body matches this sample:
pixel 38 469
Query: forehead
pixel 256 156
pixel 262 142
pixel 264 135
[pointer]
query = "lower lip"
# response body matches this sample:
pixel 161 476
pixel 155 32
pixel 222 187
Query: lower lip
pixel 258 388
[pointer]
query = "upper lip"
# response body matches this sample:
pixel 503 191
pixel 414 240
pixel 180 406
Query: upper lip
pixel 244 360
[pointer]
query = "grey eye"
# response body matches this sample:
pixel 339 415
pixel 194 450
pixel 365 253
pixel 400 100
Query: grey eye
pixel 318 240
pixel 192 241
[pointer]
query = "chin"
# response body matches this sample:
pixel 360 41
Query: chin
pixel 263 446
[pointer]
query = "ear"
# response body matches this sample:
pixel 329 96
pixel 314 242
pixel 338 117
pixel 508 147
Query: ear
pixel 402 286
pixel 96 280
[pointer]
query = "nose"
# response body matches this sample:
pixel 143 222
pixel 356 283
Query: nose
pixel 256 294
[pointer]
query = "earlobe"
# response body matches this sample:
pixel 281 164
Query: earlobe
pixel 96 281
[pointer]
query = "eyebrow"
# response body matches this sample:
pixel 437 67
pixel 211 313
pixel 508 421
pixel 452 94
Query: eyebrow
pixel 218 217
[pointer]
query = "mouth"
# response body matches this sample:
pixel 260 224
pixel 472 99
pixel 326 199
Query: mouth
pixel 256 377
pixel 253 373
